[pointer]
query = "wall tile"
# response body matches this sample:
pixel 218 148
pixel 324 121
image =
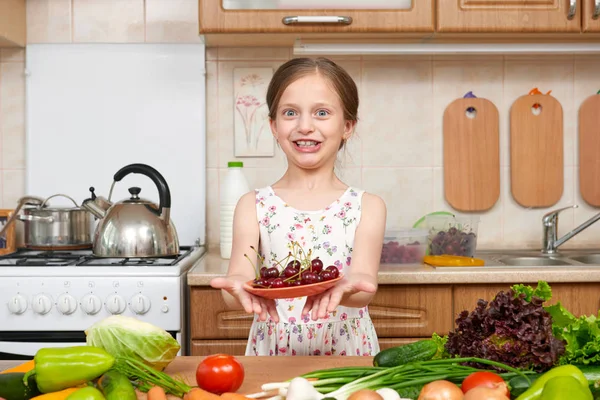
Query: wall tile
pixel 547 74
pixel 453 79
pixel 48 21
pixel 172 21
pixel 212 115
pixel 407 192
pixel 396 111
pixel 101 21
pixel 9 54
pixel 13 187
pixel 212 53
pixel 12 114
pixel 253 53
pixel 212 206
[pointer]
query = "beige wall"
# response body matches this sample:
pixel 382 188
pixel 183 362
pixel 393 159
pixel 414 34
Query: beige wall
pixel 397 152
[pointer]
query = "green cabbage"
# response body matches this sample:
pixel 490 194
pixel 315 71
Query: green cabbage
pixel 128 337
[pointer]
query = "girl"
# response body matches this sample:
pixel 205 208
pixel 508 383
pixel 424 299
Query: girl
pixel 313 111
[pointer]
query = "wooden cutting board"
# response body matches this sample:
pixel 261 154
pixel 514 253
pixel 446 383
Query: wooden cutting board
pixel 471 154
pixel 536 150
pixel 589 150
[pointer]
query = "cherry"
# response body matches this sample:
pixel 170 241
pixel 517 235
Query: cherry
pixel 318 278
pixel 272 273
pixel 288 272
pixel 294 264
pixel 277 283
pixel 316 265
pixel 260 282
pixel 334 271
pixel 326 275
pixel 296 282
pixel 308 277
pixel 263 272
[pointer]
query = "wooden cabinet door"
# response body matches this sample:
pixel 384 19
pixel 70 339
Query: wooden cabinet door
pixel 509 16
pixel 215 18
pixel 207 347
pixel 591 15
pixel 578 298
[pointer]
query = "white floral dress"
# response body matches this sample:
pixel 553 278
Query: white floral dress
pixel 330 235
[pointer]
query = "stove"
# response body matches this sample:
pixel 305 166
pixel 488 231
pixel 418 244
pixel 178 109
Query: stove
pixel 51 297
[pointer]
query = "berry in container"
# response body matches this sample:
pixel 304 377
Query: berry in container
pixel 404 246
pixel 452 235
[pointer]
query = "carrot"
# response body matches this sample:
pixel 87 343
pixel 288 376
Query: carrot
pixel 60 395
pixel 233 396
pixel 199 394
pixel 25 367
pixel 157 393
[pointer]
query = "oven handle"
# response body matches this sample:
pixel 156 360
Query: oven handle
pixel 30 348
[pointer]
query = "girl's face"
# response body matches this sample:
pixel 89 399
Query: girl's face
pixel 309 123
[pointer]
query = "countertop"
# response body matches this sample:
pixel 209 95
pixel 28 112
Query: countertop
pixel 211 265
pixel 258 370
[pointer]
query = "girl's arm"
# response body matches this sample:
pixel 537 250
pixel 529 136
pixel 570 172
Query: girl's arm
pixel 366 254
pixel 245 236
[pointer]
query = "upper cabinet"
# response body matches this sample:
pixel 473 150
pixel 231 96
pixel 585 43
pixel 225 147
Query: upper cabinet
pixel 591 15
pixel 509 16
pixel 12 23
pixel 308 16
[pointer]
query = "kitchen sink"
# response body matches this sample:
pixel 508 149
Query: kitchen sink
pixel 587 259
pixel 534 261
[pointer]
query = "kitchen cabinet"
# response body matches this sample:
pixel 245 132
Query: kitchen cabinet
pixel 266 17
pixel 400 313
pixel 510 16
pixel 591 15
pixel 12 23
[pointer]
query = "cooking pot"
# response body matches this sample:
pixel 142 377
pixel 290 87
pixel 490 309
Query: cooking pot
pixel 134 227
pixel 53 228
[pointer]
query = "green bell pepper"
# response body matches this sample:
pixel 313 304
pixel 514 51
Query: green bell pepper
pixel 86 393
pixel 565 387
pixel 60 368
pixel 535 391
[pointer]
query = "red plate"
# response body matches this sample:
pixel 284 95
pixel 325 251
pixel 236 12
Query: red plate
pixel 293 291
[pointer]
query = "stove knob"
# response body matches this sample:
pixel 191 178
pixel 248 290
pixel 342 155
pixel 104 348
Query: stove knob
pixel 42 304
pixel 17 304
pixel 140 304
pixel 115 304
pixel 66 304
pixel 91 304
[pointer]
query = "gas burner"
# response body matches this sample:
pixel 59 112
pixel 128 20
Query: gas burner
pixel 41 262
pixel 138 262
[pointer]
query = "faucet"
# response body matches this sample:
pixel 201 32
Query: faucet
pixel 550 226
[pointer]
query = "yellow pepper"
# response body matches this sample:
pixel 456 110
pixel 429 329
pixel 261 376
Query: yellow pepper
pixel 25 367
pixel 61 395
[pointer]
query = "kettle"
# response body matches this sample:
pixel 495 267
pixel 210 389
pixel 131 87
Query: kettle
pixel 134 227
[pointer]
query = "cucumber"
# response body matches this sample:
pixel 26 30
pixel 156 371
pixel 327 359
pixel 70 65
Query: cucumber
pixel 116 386
pixel 13 388
pixel 421 350
pixel 519 384
pixel 410 392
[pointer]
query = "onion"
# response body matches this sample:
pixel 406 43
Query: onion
pixel 441 390
pixel 497 392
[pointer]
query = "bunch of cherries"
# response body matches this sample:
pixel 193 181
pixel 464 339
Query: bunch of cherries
pixel 301 270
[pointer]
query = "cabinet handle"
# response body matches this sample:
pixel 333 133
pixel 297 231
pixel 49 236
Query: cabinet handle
pixel 572 9
pixel 596 10
pixel 317 20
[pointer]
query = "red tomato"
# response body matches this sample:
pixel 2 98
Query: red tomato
pixel 220 373
pixel 486 379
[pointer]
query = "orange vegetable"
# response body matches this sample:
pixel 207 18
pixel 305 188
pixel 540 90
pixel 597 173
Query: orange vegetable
pixel 199 394
pixel 25 367
pixel 233 396
pixel 60 395
pixel 157 393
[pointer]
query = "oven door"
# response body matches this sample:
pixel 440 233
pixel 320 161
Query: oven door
pixel 23 345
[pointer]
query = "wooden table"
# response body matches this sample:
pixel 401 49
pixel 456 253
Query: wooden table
pixel 258 370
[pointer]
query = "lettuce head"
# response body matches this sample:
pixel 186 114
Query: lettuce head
pixel 124 336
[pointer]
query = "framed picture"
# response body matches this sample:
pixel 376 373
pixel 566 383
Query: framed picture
pixel 8 243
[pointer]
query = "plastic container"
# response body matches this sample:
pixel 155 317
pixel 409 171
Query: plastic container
pixel 452 235
pixel 406 246
pixel 233 187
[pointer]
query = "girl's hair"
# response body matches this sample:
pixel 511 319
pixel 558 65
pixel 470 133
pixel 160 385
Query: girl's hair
pixel 297 68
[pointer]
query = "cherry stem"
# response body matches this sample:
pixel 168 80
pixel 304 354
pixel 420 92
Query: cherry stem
pixel 253 266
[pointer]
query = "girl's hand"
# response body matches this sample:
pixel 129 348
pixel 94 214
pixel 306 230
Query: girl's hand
pixel 250 303
pixel 328 301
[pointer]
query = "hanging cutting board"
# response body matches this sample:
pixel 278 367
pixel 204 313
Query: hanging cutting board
pixel 471 154
pixel 536 150
pixel 589 150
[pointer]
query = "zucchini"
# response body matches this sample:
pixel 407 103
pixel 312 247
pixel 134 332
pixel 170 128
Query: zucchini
pixel 422 350
pixel 115 386
pixel 13 388
pixel 519 384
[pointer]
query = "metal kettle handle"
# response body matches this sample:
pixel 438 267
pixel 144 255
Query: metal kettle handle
pixel 29 200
